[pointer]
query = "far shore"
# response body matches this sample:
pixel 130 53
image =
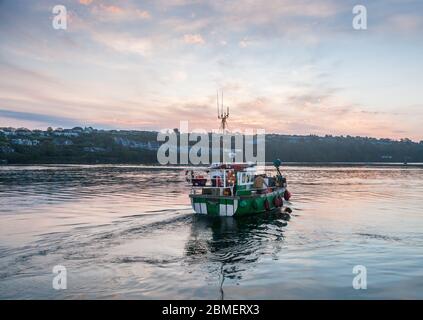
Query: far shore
pixel 287 164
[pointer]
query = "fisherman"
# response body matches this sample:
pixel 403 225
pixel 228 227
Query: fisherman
pixel 216 180
pixel 259 182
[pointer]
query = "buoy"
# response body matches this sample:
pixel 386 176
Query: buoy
pixel 266 204
pixel 287 195
pixel 280 201
pixel 285 216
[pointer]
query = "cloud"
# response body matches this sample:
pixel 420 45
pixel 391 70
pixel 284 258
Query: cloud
pixel 132 64
pixel 405 22
pixel 245 43
pixel 39 118
pixel 111 9
pixel 105 12
pixel 125 43
pixel 185 26
pixel 272 16
pixel 143 14
pixel 85 2
pixel 265 11
pixel 193 39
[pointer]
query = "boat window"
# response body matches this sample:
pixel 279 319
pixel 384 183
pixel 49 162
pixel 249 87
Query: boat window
pixel 245 178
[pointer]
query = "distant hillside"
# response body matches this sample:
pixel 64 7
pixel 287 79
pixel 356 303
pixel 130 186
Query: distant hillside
pixel 342 149
pixel 77 146
pixel 88 145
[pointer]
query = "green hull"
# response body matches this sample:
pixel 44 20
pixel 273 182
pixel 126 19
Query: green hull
pixel 235 206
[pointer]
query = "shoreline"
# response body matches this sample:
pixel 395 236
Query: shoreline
pixel 286 164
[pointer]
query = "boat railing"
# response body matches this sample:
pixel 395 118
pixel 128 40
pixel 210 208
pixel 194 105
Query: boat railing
pixel 220 191
pixel 271 189
pixel 213 191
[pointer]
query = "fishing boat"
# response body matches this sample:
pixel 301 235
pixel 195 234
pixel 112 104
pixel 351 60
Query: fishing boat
pixel 236 189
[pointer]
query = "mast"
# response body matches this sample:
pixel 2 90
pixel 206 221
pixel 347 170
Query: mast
pixel 222 115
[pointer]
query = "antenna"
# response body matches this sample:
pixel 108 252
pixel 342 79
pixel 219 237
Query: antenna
pixel 221 109
pixel 217 103
pixel 221 114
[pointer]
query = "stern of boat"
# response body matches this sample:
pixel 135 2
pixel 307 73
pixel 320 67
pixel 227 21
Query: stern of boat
pixel 224 207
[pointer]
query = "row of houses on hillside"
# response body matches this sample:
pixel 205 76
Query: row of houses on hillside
pixel 74 132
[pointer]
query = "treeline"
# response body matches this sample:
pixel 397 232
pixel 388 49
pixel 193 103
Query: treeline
pixel 342 149
pixel 102 146
pixel 87 148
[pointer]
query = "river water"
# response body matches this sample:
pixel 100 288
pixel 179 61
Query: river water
pixel 128 232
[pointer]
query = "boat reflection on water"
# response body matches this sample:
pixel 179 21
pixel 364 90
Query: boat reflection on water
pixel 228 246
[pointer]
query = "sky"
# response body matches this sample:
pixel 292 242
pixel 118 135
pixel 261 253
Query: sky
pixel 286 66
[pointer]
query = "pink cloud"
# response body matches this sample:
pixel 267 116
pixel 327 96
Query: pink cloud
pixel 112 9
pixel 143 14
pixel 119 13
pixel 125 43
pixel 406 22
pixel 193 39
pixel 85 2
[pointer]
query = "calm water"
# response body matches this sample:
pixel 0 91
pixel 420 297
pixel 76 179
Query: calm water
pixel 129 232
